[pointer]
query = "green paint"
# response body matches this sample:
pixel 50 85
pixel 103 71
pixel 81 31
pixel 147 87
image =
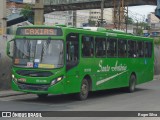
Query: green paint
pixel 105 73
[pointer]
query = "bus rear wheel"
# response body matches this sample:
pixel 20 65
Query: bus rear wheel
pixel 132 84
pixel 83 94
pixel 42 96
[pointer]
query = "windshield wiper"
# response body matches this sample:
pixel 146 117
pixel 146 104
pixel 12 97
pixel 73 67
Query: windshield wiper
pixel 47 45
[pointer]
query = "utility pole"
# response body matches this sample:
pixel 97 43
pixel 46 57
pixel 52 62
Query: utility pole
pixel 126 20
pixel 119 13
pixel 102 11
pixel 137 27
pixel 3 18
pixel 143 22
pixel 74 18
pixel 39 12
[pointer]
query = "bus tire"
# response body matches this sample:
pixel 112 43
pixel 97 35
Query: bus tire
pixel 83 94
pixel 42 96
pixel 132 84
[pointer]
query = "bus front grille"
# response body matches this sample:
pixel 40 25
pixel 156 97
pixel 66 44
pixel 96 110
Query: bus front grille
pixel 33 87
pixel 33 73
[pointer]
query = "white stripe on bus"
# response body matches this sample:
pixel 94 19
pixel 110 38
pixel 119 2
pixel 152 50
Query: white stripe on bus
pixel 107 79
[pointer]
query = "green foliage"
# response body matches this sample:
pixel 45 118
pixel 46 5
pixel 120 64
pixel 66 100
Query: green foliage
pixel 91 23
pixel 28 13
pixel 129 20
pixel 157 41
pixel 144 25
pixel 140 32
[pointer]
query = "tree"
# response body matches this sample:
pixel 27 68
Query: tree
pixel 144 25
pixel 129 20
pixel 28 13
pixel 91 22
pixel 140 31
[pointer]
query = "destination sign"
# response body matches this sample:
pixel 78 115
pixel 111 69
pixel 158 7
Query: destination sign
pixel 40 31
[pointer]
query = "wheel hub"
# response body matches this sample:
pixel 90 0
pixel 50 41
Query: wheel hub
pixel 84 89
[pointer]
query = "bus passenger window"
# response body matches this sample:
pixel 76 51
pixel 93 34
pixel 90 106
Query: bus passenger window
pixel 112 48
pixel 122 48
pixel 140 49
pixel 100 47
pixel 72 54
pixel 132 49
pixel 87 46
pixel 72 50
pixel 148 49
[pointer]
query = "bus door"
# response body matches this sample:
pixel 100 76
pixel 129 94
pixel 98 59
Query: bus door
pixel 72 60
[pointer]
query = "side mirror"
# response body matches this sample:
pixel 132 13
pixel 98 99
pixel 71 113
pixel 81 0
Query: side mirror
pixel 8 50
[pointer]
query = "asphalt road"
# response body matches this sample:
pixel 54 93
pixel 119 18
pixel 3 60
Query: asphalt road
pixel 145 98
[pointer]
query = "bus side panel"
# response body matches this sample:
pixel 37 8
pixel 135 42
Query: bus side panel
pixel 149 66
pixel 137 68
pixel 88 68
pixel 113 73
pixel 73 81
pixel 147 71
pixel 74 76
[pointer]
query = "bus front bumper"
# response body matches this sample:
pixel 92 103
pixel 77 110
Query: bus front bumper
pixel 39 89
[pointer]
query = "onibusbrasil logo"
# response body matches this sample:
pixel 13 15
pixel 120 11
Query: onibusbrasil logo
pixel 21 114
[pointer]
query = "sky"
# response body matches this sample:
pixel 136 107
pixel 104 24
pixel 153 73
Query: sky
pixel 141 10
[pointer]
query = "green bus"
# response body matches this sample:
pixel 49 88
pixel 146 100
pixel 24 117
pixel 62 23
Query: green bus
pixel 65 60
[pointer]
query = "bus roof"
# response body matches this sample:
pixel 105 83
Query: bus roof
pixel 112 32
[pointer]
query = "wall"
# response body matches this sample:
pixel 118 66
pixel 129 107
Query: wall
pixel 61 17
pixel 157 60
pixel 5 64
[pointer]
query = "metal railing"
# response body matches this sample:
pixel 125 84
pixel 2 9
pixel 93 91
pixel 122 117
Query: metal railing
pixel 58 2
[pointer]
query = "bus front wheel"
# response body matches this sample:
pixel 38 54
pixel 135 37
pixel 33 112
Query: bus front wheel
pixel 83 94
pixel 132 84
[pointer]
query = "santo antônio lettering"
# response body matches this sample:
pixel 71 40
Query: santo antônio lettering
pixel 39 32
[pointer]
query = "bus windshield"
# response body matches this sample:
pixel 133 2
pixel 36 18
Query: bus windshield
pixel 38 53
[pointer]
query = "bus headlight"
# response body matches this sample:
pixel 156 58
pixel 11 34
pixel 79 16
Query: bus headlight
pixel 13 76
pixel 15 79
pixel 56 80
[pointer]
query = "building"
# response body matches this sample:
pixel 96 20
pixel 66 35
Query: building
pixel 95 15
pixel 63 17
pixel 70 18
pixel 29 1
pixel 78 18
pixel 154 24
pixel 82 18
pixel 151 18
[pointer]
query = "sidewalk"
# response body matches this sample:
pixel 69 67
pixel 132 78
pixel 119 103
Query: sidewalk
pixel 7 93
pixel 156 77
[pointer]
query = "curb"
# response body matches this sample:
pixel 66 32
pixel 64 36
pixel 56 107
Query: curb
pixel 11 94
